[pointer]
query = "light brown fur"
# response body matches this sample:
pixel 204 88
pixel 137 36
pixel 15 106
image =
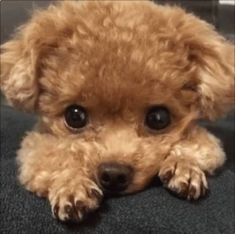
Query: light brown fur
pixel 117 59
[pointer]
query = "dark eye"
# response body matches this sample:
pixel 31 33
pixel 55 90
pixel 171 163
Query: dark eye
pixel 157 118
pixel 75 116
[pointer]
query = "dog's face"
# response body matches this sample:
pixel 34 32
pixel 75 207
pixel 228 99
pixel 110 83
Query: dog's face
pixel 129 80
pixel 126 107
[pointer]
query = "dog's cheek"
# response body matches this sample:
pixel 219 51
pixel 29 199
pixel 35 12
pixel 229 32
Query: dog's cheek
pixel 142 179
pixel 55 126
pixel 146 164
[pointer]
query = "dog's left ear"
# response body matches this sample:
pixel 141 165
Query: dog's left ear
pixel 213 58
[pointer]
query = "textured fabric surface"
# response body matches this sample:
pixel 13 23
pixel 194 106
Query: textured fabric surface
pixel 151 211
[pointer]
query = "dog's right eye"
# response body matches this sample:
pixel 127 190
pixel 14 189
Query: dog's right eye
pixel 158 118
pixel 75 117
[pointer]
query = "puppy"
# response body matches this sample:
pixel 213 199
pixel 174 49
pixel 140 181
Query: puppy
pixel 118 88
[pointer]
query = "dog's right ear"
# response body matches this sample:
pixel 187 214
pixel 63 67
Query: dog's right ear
pixel 21 57
pixel 18 73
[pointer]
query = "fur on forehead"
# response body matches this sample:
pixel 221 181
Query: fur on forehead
pixel 106 80
pixel 120 48
pixel 116 62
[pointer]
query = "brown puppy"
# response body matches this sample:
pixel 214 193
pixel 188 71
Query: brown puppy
pixel 118 87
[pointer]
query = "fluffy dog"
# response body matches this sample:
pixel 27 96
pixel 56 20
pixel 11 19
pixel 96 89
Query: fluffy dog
pixel 118 88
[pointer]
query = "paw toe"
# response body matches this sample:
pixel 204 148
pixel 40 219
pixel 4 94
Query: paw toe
pixel 166 175
pixel 183 191
pixel 185 180
pixel 56 211
pixel 73 208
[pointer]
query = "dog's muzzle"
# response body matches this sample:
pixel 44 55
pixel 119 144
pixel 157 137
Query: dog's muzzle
pixel 114 177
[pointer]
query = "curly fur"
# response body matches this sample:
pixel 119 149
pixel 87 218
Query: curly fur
pixel 117 59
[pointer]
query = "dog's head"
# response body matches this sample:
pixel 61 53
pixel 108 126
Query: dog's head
pixel 129 78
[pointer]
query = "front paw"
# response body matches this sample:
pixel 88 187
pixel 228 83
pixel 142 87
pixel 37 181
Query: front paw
pixel 72 203
pixel 184 178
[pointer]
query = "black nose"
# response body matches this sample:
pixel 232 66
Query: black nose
pixel 114 177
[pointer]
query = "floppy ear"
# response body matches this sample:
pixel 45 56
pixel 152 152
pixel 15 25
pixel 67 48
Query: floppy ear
pixel 18 74
pixel 213 57
pixel 21 57
pixel 217 79
pixel 20 61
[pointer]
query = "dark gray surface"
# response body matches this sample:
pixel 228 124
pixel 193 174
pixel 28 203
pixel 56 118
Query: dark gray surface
pixel 14 13
pixel 151 211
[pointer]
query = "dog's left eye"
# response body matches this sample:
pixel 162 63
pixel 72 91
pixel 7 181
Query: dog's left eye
pixel 157 118
pixel 75 117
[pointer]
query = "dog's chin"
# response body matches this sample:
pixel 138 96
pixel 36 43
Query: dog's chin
pixel 131 189
pixel 116 192
pixel 109 193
